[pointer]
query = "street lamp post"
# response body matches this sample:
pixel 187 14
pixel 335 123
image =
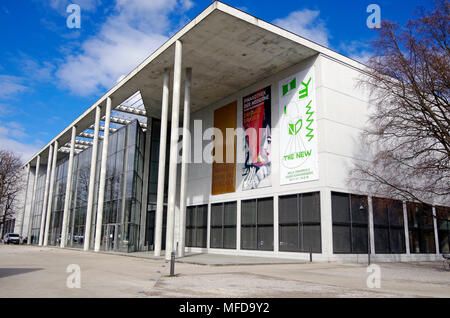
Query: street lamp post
pixel 362 207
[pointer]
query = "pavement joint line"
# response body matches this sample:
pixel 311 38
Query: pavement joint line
pixel 418 279
pixel 178 260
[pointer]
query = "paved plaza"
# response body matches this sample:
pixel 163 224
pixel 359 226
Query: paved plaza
pixel 30 271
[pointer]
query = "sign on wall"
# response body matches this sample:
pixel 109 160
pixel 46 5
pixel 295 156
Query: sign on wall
pixel 257 146
pixel 298 129
pixel 223 172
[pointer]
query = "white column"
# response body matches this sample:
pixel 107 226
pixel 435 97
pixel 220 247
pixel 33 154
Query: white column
pixel 173 150
pixel 50 194
pixel 148 137
pixel 44 204
pixel 68 197
pixel 276 224
pixel 87 228
pixel 101 194
pixel 25 200
pixel 326 223
pixel 435 226
pixel 162 164
pixel 185 159
pixel 405 223
pixel 33 197
pixel 371 226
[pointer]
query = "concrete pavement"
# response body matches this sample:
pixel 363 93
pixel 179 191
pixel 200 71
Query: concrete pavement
pixel 29 271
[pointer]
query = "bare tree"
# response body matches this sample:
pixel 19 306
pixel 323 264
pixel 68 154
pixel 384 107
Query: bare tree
pixel 11 184
pixel 409 131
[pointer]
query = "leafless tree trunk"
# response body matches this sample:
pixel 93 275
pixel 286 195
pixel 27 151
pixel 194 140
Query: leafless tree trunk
pixel 11 183
pixel 409 131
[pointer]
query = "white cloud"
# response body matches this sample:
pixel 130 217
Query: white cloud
pixel 5 110
pixel 10 135
pixel 41 71
pixel 307 24
pixel 357 50
pixel 11 85
pixel 362 57
pixel 134 30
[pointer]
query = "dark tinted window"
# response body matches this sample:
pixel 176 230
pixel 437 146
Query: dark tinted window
pixel 299 223
pixel 223 225
pixel 388 226
pixel 196 225
pixel 257 224
pixel 443 225
pixel 421 229
pixel 350 216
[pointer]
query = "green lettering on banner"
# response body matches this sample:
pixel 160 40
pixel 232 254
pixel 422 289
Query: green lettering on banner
pixel 304 92
pixel 310 121
pixel 297 155
pixel 290 86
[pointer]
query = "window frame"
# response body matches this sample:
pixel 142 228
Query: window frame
pixel 257 225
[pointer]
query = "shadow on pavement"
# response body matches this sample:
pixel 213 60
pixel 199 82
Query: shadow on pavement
pixel 5 272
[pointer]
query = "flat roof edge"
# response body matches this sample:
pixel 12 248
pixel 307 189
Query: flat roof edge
pixel 143 64
pixel 216 5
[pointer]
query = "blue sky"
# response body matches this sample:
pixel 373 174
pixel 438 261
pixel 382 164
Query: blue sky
pixel 49 74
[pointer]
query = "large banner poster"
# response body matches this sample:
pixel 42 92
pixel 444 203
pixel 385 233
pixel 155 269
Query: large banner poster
pixel 223 172
pixel 257 125
pixel 298 129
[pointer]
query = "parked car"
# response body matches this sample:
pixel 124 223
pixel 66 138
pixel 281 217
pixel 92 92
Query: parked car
pixel 78 239
pixel 12 238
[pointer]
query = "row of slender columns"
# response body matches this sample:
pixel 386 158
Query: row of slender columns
pixel 173 159
pixel 50 180
pixel 170 245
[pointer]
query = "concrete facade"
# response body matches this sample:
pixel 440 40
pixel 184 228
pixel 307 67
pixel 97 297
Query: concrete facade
pixel 263 56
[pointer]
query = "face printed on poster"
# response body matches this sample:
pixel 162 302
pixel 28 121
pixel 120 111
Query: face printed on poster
pixel 298 128
pixel 257 124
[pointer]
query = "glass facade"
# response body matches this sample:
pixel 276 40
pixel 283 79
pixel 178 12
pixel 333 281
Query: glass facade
pixel 443 225
pixel 153 185
pixel 421 228
pixel 123 193
pixel 196 225
pixel 37 207
pixel 257 224
pixel 123 189
pixel 80 192
pixel 299 215
pixel 299 222
pixel 59 195
pixel 388 222
pixel 223 225
pixel 350 216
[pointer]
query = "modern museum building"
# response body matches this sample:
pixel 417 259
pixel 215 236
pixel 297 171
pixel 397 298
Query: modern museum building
pixel 270 122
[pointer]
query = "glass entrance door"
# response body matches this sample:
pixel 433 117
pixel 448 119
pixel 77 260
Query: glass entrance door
pixel 111 237
pixel 150 231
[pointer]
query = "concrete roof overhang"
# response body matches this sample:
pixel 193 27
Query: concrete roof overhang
pixel 227 50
